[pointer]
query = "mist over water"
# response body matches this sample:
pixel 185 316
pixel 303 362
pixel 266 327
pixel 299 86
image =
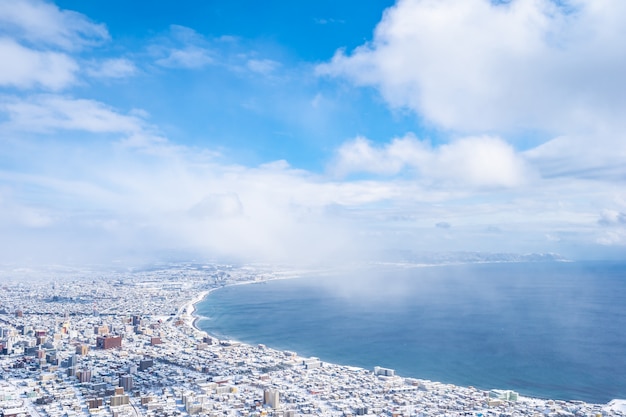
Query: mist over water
pixel 551 330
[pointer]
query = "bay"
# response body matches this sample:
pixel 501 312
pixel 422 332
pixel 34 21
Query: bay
pixel 548 330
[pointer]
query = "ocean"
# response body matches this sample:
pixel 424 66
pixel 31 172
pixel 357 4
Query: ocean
pixel 549 330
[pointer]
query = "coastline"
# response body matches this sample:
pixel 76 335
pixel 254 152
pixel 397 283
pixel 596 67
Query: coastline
pixel 188 312
pixel 220 378
pixel 192 318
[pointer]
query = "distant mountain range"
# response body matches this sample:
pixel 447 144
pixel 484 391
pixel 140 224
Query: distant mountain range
pixel 469 257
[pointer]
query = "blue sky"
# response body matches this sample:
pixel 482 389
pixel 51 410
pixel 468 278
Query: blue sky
pixel 310 131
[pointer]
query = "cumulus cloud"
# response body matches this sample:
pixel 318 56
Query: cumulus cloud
pixel 47 112
pixel 178 200
pixel 475 65
pixel 183 48
pixel 472 66
pixel 612 218
pixel 112 68
pixel 36 42
pixel 27 68
pixel 143 191
pixel 481 161
pixel 105 199
pixel 359 155
pixel 44 24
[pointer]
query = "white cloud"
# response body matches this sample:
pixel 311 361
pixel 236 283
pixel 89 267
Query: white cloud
pixel 262 66
pixel 612 218
pixel 467 66
pixel 474 65
pixel 112 68
pixel 189 57
pixel 36 38
pixel 183 48
pixel 599 156
pixel 612 238
pixel 122 197
pixel 359 155
pixel 27 68
pixel 44 113
pixel 482 161
pixel 17 214
pixel 43 23
pixel 218 206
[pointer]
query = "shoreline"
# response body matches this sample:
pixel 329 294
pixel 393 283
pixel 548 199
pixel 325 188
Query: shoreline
pixel 192 318
pixel 188 312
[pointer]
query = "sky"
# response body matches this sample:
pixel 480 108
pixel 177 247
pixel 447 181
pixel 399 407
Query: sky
pixel 310 131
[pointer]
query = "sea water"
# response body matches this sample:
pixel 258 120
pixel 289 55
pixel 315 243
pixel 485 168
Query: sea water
pixel 549 330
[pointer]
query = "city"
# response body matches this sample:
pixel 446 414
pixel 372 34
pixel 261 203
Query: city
pixel 124 344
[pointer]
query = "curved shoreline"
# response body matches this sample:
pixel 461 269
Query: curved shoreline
pixel 190 310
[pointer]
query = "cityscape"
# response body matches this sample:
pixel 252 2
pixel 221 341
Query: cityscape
pixel 124 344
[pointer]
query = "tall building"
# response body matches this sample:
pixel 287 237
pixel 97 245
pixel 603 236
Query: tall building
pixel 271 397
pixel 118 400
pixel 126 382
pixel 84 375
pixel 72 361
pixel 82 350
pixel 93 403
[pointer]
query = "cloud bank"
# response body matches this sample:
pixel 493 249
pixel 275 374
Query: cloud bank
pixel 470 162
pixel 477 65
pixel 85 174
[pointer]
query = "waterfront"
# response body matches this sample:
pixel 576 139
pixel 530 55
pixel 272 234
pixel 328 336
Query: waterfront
pixel 121 344
pixel 550 330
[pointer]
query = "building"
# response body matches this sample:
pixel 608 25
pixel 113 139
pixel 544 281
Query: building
pixel 84 375
pixel 126 382
pixel 72 361
pixel 82 350
pixel 118 400
pixel 504 395
pixel 271 398
pixel 103 329
pixel 108 342
pixel 383 371
pixel 93 403
pixel 145 364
